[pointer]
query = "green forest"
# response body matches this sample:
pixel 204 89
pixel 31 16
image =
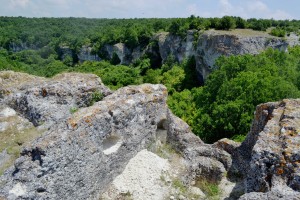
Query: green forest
pixel 222 107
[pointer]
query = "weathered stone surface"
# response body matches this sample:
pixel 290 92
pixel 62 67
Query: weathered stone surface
pixel 141 180
pixel 123 53
pixel 69 162
pixel 227 145
pixel 82 153
pixel 205 161
pixel 85 54
pixel 177 46
pixel 274 195
pixel 49 100
pixel 269 157
pixel 16 47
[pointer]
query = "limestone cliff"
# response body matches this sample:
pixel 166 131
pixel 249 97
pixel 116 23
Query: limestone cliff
pixel 94 151
pixel 213 44
pixel 205 46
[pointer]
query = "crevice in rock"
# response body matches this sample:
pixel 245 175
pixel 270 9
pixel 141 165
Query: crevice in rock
pixel 36 154
pixel 15 171
pixel 161 131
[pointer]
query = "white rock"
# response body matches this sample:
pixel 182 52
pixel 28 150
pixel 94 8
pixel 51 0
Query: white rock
pixel 7 112
pixel 196 191
pixel 18 190
pixel 3 126
pixel 141 178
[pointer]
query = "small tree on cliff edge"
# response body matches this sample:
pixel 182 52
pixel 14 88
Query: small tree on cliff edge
pixel 226 23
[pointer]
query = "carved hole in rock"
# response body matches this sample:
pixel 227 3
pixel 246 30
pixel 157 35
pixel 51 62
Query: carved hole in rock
pixel 111 144
pixel 161 132
pixel 41 190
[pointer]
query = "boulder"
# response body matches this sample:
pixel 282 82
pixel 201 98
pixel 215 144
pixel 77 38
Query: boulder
pixel 78 158
pixel 204 161
pixel 47 101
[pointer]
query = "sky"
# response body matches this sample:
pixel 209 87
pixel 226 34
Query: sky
pixel 277 9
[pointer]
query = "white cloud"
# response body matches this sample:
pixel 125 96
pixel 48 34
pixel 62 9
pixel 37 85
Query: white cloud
pixel 226 7
pixel 18 3
pixel 257 6
pixel 249 9
pixel 279 14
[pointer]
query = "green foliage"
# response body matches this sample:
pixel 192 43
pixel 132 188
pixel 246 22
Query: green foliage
pixel 239 138
pixel 111 75
pixel 211 190
pixel 226 23
pixel 96 96
pixel 177 183
pixel 153 76
pixel 179 27
pixel 279 32
pixel 73 110
pixel 115 60
pixel 227 101
pixel 240 23
pixel 224 106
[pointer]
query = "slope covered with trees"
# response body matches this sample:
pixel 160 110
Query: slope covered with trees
pixel 223 107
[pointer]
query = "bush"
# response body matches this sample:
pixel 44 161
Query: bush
pixel 278 32
pixel 226 23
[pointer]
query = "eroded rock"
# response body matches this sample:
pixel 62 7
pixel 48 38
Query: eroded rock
pixel 69 161
pixel 82 154
pixel 47 101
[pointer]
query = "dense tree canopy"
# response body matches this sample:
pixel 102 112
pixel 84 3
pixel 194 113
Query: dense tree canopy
pixel 224 106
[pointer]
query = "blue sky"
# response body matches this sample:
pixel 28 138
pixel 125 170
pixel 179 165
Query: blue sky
pixel 277 9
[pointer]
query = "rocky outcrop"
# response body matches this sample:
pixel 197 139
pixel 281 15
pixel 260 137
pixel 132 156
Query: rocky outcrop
pixel 46 102
pixel 268 159
pixel 213 44
pixel 177 46
pixel 275 155
pixel 86 54
pixel 21 46
pixel 205 46
pixel 124 54
pixel 94 150
pixel 77 159
pixel 205 161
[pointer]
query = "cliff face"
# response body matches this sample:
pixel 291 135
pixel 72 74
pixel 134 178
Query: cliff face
pixel 105 150
pixel 213 44
pixel 205 46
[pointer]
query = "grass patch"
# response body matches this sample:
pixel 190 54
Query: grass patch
pixel 126 196
pixel 13 140
pixel 238 138
pixel 177 183
pixel 96 96
pixel 211 190
pixel 244 32
pixel 73 110
pixel 165 151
